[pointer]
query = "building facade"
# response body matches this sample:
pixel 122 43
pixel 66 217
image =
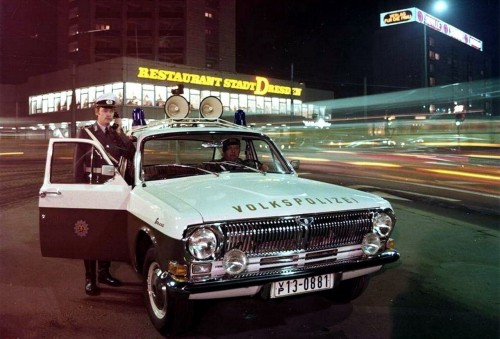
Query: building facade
pixel 148 84
pixel 118 46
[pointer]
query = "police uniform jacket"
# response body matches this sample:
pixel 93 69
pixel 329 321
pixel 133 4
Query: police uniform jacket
pixel 88 163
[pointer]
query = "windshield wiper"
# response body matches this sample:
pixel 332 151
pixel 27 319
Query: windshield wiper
pixel 196 168
pixel 231 163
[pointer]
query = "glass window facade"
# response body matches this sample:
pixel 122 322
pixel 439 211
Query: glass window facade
pixel 139 94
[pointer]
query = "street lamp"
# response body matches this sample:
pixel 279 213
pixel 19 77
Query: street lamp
pixel 440 6
pixel 72 125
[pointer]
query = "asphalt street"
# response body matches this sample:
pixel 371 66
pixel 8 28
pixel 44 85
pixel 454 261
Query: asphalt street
pixel 444 286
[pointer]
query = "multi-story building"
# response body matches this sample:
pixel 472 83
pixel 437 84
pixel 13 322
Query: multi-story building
pixel 413 49
pixel 188 32
pixel 103 44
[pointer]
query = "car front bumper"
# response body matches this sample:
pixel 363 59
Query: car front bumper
pixel 250 285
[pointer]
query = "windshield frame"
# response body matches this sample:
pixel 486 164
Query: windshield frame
pixel 253 144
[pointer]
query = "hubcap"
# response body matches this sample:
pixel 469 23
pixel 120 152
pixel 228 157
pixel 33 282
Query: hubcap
pixel 157 291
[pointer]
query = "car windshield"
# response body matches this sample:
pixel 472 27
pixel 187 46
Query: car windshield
pixel 170 156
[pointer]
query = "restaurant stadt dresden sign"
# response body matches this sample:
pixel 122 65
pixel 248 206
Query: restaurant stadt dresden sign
pixel 261 85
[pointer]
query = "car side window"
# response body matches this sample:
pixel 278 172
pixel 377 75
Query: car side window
pixel 73 163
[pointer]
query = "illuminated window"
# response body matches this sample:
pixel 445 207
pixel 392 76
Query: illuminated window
pixel 73 47
pixel 160 95
pixel 208 15
pixel 433 55
pixel 73 30
pixel 102 27
pixel 243 102
pixel 233 102
pixel 260 104
pixel 132 94
pixel 431 41
pixel 251 104
pixel 148 95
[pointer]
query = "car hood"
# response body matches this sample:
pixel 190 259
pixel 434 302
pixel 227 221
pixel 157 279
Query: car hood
pixel 233 196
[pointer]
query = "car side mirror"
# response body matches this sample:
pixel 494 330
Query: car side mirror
pixel 295 164
pixel 108 170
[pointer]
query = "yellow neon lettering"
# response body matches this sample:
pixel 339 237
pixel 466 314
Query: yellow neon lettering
pixel 170 75
pixel 279 89
pixel 195 79
pixel 177 77
pixel 143 72
pixel 162 75
pixel 186 77
pixel 261 86
pixel 227 83
pixel 215 81
pixel 153 73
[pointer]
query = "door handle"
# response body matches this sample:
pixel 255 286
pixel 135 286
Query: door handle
pixel 43 194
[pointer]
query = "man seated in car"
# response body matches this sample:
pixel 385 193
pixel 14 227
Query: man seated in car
pixel 231 153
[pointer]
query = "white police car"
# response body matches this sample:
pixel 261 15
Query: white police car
pixel 198 227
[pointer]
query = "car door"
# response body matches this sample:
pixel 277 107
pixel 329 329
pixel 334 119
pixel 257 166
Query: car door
pixel 86 220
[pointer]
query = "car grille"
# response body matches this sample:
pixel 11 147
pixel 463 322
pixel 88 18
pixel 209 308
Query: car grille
pixel 295 233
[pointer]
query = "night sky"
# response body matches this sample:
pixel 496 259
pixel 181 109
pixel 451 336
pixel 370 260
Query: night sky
pixel 329 42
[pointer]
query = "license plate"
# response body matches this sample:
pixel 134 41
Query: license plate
pixel 302 285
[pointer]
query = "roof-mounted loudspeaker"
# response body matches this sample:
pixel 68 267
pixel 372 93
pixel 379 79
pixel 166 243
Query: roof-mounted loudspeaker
pixel 177 107
pixel 211 108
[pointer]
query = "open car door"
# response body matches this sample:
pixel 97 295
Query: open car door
pixel 82 220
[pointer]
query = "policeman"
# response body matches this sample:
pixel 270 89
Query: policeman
pixel 87 169
pixel 231 150
pixel 231 153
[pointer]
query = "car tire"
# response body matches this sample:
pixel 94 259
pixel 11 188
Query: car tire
pixel 168 313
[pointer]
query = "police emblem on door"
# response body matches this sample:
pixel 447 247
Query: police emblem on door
pixel 81 228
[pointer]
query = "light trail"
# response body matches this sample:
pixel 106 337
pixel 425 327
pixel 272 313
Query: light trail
pixel 11 153
pixel 463 174
pixel 377 164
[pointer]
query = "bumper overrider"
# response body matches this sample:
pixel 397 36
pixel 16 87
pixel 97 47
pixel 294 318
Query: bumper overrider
pixel 240 282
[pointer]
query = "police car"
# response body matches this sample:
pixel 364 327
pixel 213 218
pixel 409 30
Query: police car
pixel 196 226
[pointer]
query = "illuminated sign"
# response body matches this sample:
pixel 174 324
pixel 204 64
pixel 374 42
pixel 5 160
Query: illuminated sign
pixel 261 85
pixel 416 15
pixel 397 17
pixel 447 29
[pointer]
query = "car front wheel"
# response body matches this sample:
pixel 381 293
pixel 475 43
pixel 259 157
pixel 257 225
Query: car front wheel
pixel 167 312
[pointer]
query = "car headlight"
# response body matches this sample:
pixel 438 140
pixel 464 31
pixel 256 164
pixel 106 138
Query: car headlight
pixel 235 261
pixel 382 224
pixel 202 243
pixel 370 244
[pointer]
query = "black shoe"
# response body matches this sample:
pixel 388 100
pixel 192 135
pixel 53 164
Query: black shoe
pixel 106 278
pixel 91 287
